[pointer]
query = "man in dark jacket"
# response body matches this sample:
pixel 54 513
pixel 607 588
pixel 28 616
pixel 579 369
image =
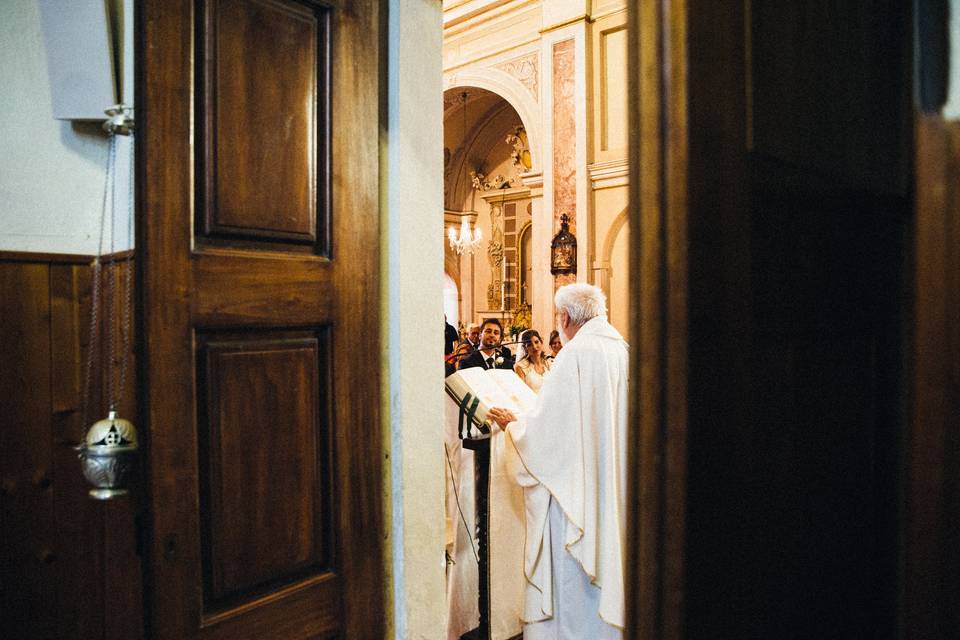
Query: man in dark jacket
pixel 450 337
pixel 490 355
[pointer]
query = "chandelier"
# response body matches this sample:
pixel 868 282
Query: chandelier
pixel 467 240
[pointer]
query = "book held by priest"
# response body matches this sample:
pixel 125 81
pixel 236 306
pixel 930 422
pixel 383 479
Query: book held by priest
pixel 478 390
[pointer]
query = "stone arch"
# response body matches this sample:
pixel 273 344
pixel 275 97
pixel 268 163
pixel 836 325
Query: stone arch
pixel 604 267
pixel 515 94
pixel 455 302
pixel 612 234
pixel 524 235
pixel 451 267
pixel 457 186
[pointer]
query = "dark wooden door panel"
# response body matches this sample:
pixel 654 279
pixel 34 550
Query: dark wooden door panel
pixel 310 610
pixel 266 93
pixel 274 289
pixel 264 439
pixel 770 176
pixel 264 470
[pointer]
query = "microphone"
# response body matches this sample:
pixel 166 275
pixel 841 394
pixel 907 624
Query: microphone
pixel 454 357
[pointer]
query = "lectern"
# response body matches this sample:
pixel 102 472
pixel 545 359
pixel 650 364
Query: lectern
pixel 494 521
pixel 475 436
pixel 481 462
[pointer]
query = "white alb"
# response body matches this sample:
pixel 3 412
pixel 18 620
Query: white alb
pixel 569 454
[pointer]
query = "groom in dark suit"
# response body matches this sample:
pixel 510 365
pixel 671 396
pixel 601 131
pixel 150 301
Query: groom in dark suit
pixel 490 355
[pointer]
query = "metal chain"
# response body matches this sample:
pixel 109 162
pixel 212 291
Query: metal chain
pixel 128 295
pixel 109 301
pixel 93 342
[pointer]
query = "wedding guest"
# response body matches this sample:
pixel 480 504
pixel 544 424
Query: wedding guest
pixel 533 364
pixel 490 355
pixel 555 344
pixel 470 344
pixel 450 337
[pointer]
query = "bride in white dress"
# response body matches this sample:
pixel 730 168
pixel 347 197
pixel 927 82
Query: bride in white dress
pixel 532 366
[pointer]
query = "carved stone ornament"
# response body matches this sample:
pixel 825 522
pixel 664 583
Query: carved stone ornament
pixel 525 70
pixel 517 138
pixel 480 183
pixel 493 294
pixel 495 251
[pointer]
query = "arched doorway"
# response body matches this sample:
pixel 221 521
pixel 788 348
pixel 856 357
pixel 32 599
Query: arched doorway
pixel 486 158
pixel 451 300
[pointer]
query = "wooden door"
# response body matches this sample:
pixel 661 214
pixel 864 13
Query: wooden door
pixel 258 174
pixel 771 185
pixel 931 555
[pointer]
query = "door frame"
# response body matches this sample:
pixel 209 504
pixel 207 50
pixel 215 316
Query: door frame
pixel 656 448
pixel 661 70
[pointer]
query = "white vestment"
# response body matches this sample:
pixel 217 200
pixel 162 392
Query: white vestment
pixel 571 460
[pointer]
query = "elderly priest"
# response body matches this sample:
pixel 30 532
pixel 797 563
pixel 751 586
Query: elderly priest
pixel 568 454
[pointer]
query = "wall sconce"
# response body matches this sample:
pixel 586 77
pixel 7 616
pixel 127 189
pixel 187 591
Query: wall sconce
pixel 563 250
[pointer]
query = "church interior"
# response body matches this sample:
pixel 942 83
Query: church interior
pixel 535 127
pixel 230 285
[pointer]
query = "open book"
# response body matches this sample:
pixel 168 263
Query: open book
pixel 478 390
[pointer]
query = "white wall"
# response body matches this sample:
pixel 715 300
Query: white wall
pixel 951 109
pixel 451 302
pixel 413 278
pixel 51 172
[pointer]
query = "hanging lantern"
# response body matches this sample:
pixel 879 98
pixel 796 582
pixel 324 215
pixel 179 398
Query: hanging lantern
pixel 107 456
pixel 109 449
pixel 563 250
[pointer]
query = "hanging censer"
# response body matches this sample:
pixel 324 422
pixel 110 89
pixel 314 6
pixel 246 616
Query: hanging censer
pixel 108 452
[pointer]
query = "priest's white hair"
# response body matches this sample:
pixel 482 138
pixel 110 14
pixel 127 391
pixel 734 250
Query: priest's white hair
pixel 581 302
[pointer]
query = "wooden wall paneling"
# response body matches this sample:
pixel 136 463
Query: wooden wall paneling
pixel 122 570
pixel 45 258
pixel 29 548
pixel 828 213
pixel 813 106
pixel 80 582
pixel 86 550
pixel 122 573
pixel 65 357
pixel 793 298
pixel 115 344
